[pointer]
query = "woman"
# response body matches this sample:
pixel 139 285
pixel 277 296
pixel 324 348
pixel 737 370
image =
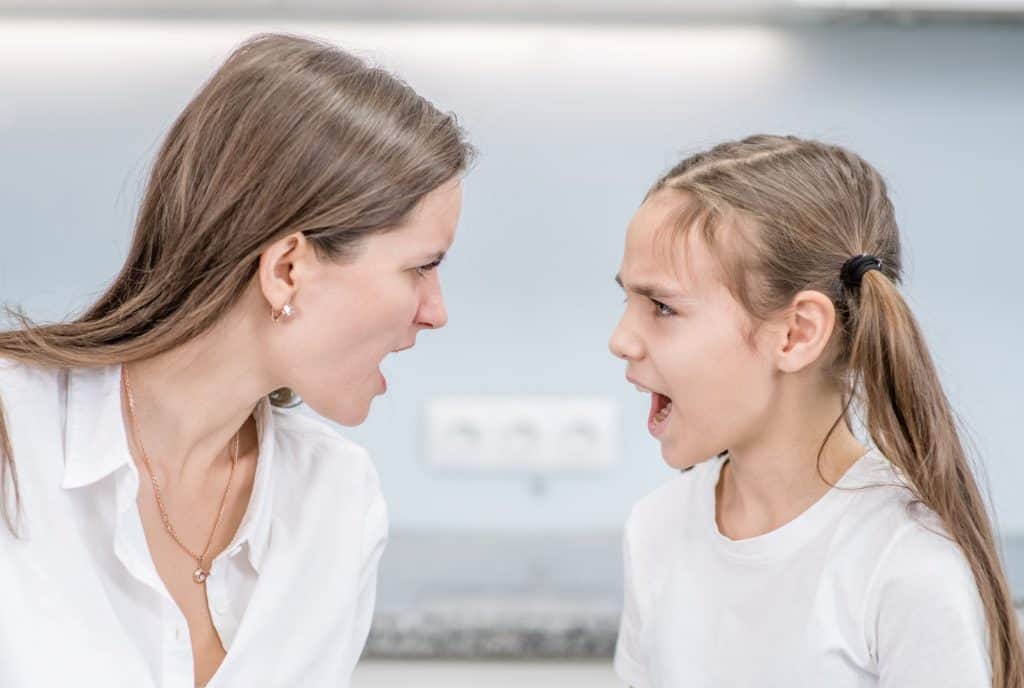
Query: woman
pixel 169 524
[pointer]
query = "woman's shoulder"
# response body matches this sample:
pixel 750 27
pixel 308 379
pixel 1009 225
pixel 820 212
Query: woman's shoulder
pixel 17 377
pixel 325 485
pixel 314 451
pixel 31 396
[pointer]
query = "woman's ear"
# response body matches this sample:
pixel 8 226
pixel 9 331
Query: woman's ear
pixel 283 266
pixel 808 324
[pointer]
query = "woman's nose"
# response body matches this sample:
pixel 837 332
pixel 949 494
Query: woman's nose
pixel 432 313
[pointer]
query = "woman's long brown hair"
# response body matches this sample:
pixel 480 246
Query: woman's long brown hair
pixel 289 135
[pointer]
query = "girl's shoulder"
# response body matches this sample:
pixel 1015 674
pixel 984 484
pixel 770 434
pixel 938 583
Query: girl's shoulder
pixel 885 510
pixel 912 552
pixel 675 501
pixel 899 551
pixel 922 593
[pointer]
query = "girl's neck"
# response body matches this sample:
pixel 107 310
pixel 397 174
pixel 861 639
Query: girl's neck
pixel 774 476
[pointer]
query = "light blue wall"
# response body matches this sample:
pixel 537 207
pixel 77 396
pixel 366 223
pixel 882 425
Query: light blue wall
pixel 573 124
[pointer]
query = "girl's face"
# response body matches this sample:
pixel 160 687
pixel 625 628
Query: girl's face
pixel 687 341
pixel 350 315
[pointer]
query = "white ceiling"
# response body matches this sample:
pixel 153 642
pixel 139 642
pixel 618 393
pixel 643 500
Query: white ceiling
pixel 510 9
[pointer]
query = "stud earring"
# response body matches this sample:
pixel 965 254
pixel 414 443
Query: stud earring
pixel 286 312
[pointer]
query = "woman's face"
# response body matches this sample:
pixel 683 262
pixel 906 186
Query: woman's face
pixel 685 339
pixel 349 315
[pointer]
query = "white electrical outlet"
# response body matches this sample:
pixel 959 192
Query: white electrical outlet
pixel 529 434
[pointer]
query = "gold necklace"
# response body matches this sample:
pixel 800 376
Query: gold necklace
pixel 201 573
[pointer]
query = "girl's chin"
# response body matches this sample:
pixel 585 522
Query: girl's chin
pixel 678 458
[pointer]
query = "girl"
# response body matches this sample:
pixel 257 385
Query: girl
pixel 761 282
pixel 168 523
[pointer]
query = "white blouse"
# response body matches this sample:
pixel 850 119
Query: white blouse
pixel 81 603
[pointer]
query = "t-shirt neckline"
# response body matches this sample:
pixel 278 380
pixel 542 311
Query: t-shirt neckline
pixel 794 534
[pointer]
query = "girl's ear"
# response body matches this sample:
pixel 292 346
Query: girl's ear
pixel 807 325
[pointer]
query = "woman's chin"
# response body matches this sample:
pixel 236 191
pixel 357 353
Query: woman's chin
pixel 353 417
pixel 347 413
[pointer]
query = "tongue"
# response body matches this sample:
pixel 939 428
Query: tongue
pixel 658 402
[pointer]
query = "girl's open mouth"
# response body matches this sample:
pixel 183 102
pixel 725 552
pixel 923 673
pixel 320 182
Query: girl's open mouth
pixel 661 407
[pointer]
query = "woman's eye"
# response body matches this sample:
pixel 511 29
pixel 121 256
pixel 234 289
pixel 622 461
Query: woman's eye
pixel 424 269
pixel 661 310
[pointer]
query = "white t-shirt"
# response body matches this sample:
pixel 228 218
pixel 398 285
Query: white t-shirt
pixel 81 602
pixel 854 592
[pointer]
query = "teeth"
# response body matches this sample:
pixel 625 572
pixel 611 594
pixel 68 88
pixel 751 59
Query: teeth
pixel 663 413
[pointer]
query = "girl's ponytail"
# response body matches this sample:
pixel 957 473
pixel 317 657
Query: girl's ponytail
pixel 910 421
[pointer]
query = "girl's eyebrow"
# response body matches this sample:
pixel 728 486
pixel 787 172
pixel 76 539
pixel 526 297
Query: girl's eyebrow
pixel 652 291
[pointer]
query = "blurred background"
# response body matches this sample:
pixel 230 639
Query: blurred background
pixel 510 446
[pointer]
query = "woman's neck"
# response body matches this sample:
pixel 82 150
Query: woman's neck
pixel 190 401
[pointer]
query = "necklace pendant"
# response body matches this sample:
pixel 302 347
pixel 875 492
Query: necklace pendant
pixel 200 575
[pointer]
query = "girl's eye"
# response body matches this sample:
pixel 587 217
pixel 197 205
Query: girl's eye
pixel 661 310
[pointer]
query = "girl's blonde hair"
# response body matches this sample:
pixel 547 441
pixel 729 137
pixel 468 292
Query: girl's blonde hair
pixel 808 208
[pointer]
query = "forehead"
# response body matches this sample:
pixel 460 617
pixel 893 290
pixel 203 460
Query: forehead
pixel 658 247
pixel 652 221
pixel 429 226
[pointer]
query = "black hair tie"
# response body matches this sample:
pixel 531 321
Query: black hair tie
pixel 854 270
